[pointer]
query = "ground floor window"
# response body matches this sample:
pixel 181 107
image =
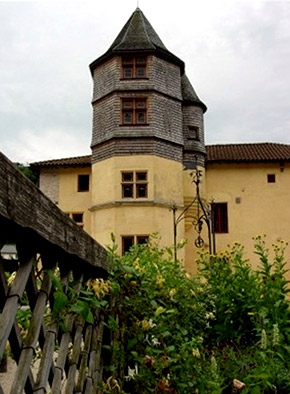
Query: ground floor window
pixel 220 217
pixel 129 240
pixel 77 217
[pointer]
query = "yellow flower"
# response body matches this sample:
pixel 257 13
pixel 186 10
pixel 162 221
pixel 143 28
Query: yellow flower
pixel 100 287
pixel 159 281
pixel 145 325
pixel 172 292
pixel 196 353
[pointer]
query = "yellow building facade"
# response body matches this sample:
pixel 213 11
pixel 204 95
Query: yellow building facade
pixel 149 158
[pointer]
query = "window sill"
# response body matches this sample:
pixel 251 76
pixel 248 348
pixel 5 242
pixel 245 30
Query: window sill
pixel 134 125
pixel 134 79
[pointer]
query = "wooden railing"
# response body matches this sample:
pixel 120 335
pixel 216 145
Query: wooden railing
pixel 46 239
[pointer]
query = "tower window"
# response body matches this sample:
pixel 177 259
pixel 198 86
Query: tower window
pixel 220 217
pixel 83 183
pixel 129 240
pixel 193 133
pixel 271 178
pixel 134 67
pixel 134 111
pixel 134 184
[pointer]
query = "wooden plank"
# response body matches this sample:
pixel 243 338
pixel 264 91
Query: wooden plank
pixel 84 360
pixel 89 386
pixel 75 357
pixel 19 198
pixel 10 309
pixel 31 339
pixel 46 359
pixel 22 371
pixel 62 356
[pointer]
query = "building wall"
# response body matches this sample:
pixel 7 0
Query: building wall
pixel 164 118
pixel 70 200
pixel 162 76
pixel 135 216
pixel 161 88
pixel 255 206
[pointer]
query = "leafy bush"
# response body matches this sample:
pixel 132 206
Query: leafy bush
pixel 173 333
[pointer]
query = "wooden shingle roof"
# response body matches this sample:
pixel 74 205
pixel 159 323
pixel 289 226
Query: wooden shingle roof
pixel 189 95
pixel 138 35
pixel 264 152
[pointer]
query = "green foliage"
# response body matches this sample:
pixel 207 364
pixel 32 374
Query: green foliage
pixel 28 172
pixel 174 333
pixel 178 334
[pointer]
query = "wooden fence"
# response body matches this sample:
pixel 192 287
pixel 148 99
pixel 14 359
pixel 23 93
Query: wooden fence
pixel 45 238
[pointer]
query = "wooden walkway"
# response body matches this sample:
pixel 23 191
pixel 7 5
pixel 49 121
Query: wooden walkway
pixel 45 238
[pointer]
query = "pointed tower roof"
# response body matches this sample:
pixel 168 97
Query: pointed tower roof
pixel 189 95
pixel 138 35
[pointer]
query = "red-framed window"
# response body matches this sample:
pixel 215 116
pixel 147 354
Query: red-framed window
pixel 220 217
pixel 134 111
pixel 134 67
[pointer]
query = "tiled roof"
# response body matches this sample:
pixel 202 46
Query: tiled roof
pixel 137 35
pixel 79 161
pixel 263 152
pixel 242 153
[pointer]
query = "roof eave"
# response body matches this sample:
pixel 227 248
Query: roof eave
pixel 157 51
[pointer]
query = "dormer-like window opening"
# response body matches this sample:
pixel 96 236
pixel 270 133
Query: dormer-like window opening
pixel 193 133
pixel 134 67
pixel 134 111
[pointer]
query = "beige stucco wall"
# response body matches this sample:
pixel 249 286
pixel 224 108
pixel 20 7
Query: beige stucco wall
pixel 254 205
pixel 70 200
pixel 113 214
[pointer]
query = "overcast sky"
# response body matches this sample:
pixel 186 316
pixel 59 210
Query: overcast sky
pixel 237 56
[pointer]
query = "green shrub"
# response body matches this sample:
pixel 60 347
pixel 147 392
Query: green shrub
pixel 178 334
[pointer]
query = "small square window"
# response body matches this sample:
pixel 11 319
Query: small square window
pixel 127 243
pixel 127 191
pixel 271 178
pixel 193 133
pixel 130 240
pixel 141 190
pixel 142 239
pixel 140 117
pixel 141 176
pixel 128 73
pixel 77 217
pixel 83 183
pixel 134 111
pixel 127 176
pixel 134 67
pixel 134 184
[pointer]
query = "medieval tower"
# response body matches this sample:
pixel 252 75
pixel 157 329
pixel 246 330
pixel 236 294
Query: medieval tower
pixel 147 135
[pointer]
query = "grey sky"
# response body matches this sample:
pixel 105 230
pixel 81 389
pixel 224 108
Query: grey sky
pixel 237 56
